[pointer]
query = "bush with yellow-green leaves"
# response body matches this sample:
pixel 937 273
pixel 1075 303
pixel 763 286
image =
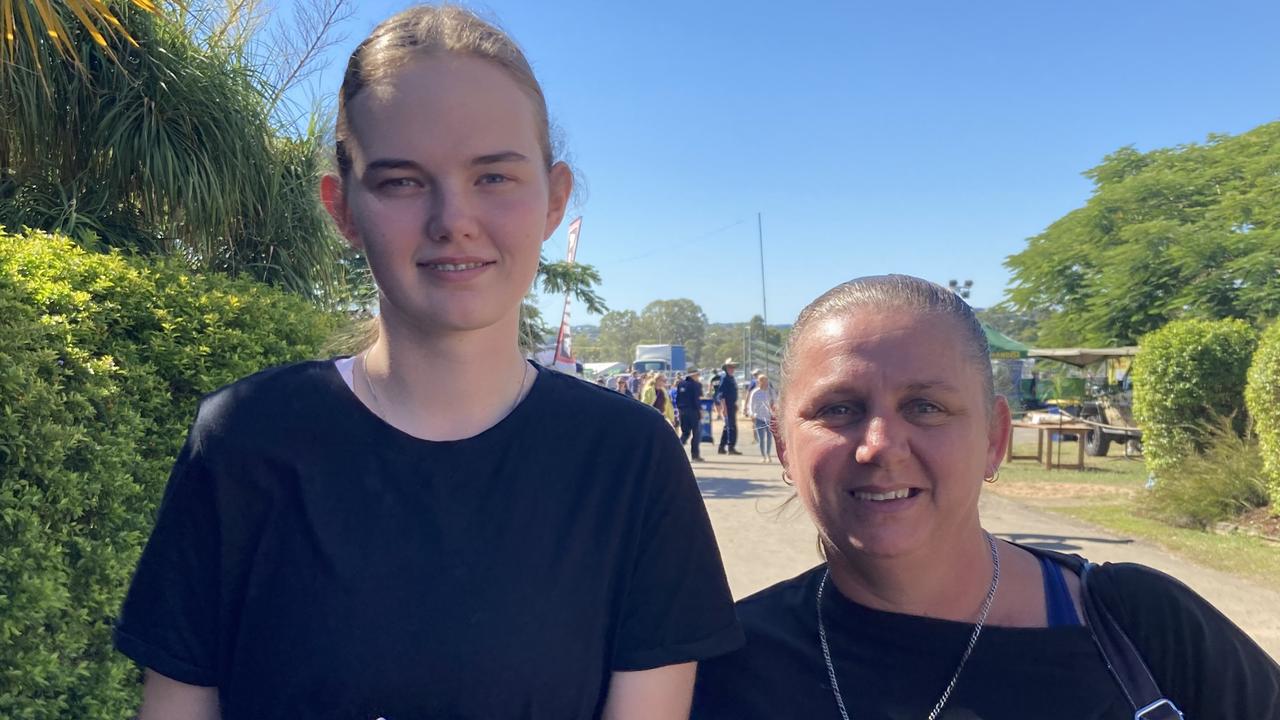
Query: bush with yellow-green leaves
pixel 102 360
pixel 1188 373
pixel 1263 398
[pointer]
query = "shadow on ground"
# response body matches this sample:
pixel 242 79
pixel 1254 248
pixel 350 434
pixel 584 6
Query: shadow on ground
pixel 730 488
pixel 1061 543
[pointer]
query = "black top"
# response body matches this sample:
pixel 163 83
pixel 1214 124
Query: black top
pixel 688 394
pixel 894 667
pixel 727 390
pixel 312 561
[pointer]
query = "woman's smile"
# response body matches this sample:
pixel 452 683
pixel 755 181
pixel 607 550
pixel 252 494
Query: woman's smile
pixel 455 269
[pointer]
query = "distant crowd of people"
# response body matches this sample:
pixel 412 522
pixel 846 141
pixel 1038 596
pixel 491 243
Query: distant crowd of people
pixel 680 402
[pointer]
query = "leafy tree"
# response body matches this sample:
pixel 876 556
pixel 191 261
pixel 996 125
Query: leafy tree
pixel 722 341
pixel 158 142
pixel 1018 325
pixel 35 21
pixel 678 321
pixel 618 336
pixel 765 345
pixel 761 333
pixel 558 278
pixel 1191 231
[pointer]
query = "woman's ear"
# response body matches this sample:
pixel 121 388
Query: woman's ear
pixel 335 201
pixel 560 188
pixel 999 433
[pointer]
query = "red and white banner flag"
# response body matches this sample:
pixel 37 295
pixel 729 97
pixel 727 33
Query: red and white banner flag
pixel 563 358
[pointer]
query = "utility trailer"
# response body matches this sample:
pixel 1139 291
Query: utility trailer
pixel 1108 405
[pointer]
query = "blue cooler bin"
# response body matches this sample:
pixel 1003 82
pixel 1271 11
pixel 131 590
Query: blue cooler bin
pixel 707 404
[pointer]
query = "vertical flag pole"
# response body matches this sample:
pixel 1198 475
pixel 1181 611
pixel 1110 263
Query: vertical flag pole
pixel 764 300
pixel 563 358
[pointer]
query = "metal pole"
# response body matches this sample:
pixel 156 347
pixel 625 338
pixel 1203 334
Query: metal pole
pixel 764 300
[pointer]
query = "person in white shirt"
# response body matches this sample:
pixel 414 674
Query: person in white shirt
pixel 760 408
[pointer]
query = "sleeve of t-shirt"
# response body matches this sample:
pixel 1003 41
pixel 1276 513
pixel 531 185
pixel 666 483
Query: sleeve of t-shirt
pixel 677 607
pixel 169 619
pixel 1199 658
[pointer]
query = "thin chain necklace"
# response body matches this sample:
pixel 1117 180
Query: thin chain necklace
pixel 973 639
pixel 377 404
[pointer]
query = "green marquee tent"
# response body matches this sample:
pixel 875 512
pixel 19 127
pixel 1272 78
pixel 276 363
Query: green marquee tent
pixel 1004 347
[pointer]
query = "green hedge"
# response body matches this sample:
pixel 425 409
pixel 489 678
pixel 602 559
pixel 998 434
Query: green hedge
pixel 102 359
pixel 1263 398
pixel 1186 373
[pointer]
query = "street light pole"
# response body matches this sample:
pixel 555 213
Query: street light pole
pixel 959 289
pixel 764 300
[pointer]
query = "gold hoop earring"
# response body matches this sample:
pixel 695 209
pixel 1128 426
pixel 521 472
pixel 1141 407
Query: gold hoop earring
pixel 786 478
pixel 993 477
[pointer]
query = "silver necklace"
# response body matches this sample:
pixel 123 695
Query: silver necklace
pixel 377 404
pixel 973 639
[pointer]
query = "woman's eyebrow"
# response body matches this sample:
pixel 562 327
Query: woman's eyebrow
pixel 499 157
pixel 405 164
pixel 392 164
pixel 923 386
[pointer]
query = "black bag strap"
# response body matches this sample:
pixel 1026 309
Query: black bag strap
pixel 1123 659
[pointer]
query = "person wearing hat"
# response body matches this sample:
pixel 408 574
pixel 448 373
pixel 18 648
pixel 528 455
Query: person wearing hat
pixel 727 394
pixel 688 406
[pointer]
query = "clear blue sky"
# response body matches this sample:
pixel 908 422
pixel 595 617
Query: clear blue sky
pixel 931 138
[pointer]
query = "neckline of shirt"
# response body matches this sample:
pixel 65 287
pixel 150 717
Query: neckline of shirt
pixel 335 372
pixel 852 616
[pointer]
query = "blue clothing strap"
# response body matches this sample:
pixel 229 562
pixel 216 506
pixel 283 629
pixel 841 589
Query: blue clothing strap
pixel 1057 599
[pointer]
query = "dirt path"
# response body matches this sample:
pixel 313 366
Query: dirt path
pixel 764 540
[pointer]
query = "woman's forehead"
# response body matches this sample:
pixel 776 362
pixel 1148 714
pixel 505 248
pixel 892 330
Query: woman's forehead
pixel 885 327
pixel 463 105
pixel 901 347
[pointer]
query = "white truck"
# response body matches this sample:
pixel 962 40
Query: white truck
pixel 667 359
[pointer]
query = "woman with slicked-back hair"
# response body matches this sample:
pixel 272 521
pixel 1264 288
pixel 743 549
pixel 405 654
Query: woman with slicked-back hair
pixel 888 425
pixel 434 527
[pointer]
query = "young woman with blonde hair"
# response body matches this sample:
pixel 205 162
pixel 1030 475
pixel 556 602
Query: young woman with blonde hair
pixel 434 527
pixel 655 394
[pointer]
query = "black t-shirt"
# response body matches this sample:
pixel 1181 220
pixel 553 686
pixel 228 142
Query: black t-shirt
pixel 688 393
pixel 894 667
pixel 312 561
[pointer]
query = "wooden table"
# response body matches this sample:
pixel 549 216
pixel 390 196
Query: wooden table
pixel 1044 442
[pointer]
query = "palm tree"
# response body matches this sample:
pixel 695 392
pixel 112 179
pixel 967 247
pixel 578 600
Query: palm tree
pixel 153 143
pixel 27 20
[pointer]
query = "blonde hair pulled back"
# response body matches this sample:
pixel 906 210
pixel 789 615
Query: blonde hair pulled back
pixel 431 30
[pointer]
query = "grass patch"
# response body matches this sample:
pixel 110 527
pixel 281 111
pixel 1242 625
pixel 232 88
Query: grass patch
pixel 1222 482
pixel 1110 492
pixel 1241 555
pixel 1114 469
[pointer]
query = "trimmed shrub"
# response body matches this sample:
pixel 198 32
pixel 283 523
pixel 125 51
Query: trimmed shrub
pixel 1187 373
pixel 1263 398
pixel 102 362
pixel 1222 481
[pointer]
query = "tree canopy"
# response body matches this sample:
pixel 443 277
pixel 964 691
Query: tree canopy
pixel 163 141
pixel 1190 231
pixel 679 322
